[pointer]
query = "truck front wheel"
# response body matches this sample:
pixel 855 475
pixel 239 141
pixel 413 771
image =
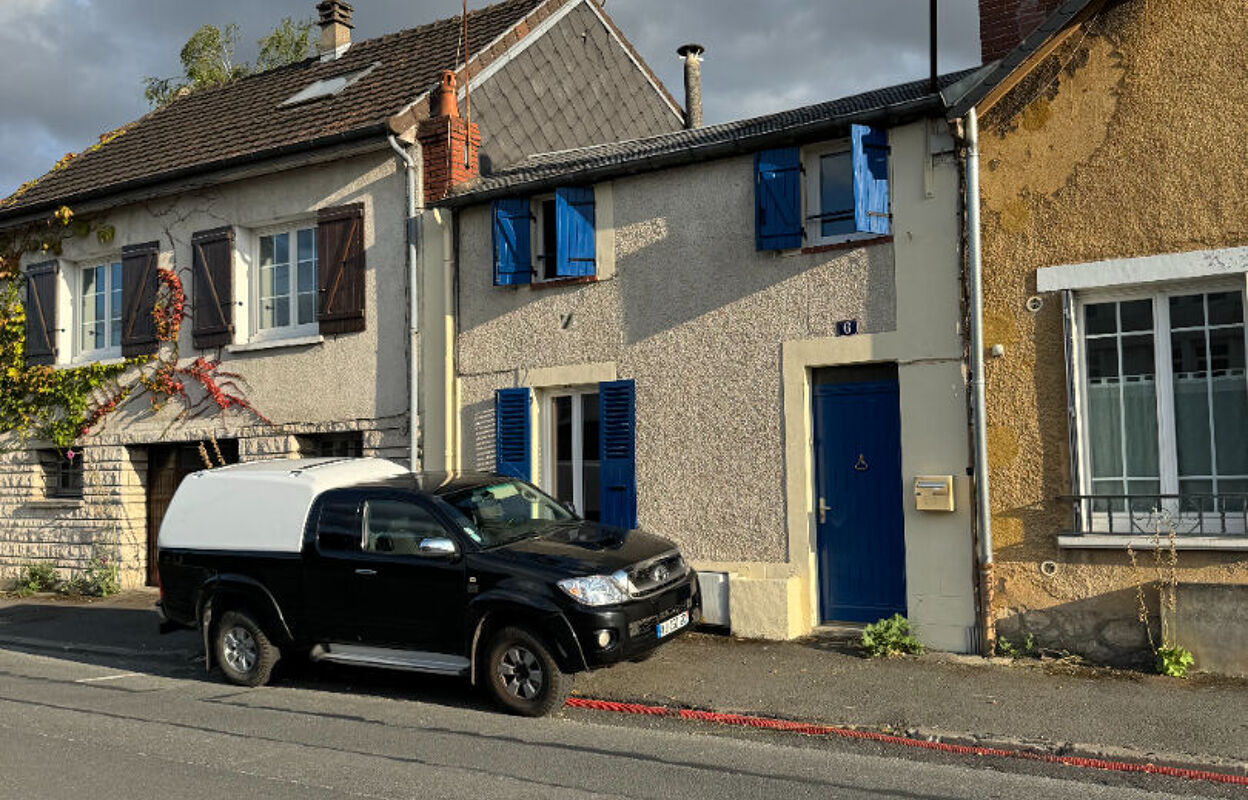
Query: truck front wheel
pixel 243 650
pixel 523 676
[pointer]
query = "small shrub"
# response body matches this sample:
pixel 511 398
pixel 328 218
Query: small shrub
pixel 36 578
pixel 101 578
pixel 1174 661
pixel 890 637
pixel 1010 650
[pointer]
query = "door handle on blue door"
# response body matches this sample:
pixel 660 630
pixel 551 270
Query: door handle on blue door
pixel 367 573
pixel 824 508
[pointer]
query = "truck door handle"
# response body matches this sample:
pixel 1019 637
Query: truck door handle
pixel 367 573
pixel 824 508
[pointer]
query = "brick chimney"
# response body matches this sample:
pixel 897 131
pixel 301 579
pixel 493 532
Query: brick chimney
pixel 335 25
pixel 448 144
pixel 1005 23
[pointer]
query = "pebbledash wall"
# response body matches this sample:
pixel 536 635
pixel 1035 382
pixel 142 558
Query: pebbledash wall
pixel 721 341
pixel 1128 141
pixel 349 382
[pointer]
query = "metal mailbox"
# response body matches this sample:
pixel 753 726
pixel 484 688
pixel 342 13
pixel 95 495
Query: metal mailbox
pixel 933 493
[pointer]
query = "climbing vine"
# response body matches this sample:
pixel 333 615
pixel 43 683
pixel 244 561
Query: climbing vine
pixel 64 405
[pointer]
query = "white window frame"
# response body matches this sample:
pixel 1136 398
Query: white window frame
pixel 112 351
pixel 812 201
pixel 547 450
pixel 294 329
pixel 1167 453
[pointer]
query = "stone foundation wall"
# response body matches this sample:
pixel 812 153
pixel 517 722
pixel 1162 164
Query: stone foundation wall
pixel 111 517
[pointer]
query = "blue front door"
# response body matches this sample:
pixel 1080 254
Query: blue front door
pixel 858 502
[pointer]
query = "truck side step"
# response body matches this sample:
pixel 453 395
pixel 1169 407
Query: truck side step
pixel 388 658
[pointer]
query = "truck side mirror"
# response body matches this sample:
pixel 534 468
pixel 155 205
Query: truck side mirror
pixel 438 548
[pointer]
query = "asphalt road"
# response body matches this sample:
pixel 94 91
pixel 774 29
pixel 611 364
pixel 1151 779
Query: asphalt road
pixel 111 728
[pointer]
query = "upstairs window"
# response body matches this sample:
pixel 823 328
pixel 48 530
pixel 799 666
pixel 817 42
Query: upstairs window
pixel 286 285
pixel 545 238
pixel 823 195
pixel 99 310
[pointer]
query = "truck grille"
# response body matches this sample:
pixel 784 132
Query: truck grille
pixel 656 574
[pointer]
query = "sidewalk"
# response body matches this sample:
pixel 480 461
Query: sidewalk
pixel 1048 706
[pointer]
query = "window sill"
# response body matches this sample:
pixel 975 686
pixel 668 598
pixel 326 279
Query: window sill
pixel 105 361
pixel 1141 542
pixel 557 282
pixel 273 344
pixel 54 503
pixel 847 243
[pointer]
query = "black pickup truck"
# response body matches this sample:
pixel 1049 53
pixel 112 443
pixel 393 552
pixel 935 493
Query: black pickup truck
pixel 358 561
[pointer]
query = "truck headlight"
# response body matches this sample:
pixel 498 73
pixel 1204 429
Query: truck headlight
pixel 597 590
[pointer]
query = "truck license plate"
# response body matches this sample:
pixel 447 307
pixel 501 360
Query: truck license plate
pixel 668 627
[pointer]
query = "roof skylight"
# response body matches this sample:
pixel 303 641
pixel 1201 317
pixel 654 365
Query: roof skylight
pixel 327 87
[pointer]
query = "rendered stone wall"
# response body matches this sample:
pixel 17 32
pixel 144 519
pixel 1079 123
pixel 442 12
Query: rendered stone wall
pixel 1128 141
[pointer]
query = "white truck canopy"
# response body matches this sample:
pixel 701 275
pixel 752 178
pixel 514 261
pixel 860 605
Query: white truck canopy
pixel 260 505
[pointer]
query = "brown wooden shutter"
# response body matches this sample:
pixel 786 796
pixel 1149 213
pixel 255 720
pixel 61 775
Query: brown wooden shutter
pixel 340 268
pixel 212 257
pixel 139 286
pixel 41 280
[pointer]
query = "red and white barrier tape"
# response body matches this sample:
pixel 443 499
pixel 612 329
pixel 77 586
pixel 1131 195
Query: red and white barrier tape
pixel 812 729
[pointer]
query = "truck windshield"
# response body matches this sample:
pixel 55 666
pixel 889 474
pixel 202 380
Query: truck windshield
pixel 505 511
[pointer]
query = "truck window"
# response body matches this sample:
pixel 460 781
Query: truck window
pixel 397 527
pixel 338 527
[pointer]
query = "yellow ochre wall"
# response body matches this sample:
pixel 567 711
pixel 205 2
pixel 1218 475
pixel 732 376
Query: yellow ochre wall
pixel 1130 139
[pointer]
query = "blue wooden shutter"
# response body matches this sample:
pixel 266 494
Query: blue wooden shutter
pixel 574 231
pixel 513 254
pixel 618 451
pixel 511 433
pixel 778 199
pixel 871 214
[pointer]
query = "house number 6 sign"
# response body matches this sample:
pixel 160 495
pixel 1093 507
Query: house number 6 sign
pixel 847 327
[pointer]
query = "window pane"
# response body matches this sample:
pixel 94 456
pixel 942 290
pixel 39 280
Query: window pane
pixel 1102 359
pixel 1233 496
pixel 307 308
pixel 397 527
pixel 1105 429
pixel 592 469
pixel 115 305
pixel 550 240
pixel 1100 318
pixel 1197 496
pixel 1108 487
pixel 1136 315
pixel 1187 311
pixel 1191 403
pixel 1139 407
pixel 1230 406
pixel 281 248
pixel 307 244
pixel 836 194
pixel 1226 308
pixel 1147 499
pixel 563 489
pixel 338 527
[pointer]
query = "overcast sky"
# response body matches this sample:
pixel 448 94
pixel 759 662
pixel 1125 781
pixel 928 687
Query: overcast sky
pixel 72 69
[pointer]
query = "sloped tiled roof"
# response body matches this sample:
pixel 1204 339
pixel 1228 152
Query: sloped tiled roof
pixel 246 120
pixel 808 123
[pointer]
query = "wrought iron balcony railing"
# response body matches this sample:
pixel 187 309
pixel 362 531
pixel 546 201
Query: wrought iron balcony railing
pixel 1224 514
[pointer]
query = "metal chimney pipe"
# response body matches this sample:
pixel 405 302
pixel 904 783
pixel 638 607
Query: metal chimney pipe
pixel 934 86
pixel 692 54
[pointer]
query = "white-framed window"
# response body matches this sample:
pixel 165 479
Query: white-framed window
pixel 545 239
pixel 97 311
pixel 284 288
pixel 1163 405
pixel 571 465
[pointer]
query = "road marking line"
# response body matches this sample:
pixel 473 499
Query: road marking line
pixel 109 677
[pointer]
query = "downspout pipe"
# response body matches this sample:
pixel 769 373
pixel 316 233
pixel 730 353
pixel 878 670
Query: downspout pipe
pixel 979 416
pixel 413 312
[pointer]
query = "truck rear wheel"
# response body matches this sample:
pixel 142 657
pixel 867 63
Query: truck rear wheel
pixel 243 650
pixel 523 676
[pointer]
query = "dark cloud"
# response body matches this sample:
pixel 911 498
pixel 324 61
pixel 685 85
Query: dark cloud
pixel 73 69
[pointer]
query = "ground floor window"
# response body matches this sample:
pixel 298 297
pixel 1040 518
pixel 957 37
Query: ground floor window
pixel 332 445
pixel 1165 402
pixel 572 465
pixel 62 473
